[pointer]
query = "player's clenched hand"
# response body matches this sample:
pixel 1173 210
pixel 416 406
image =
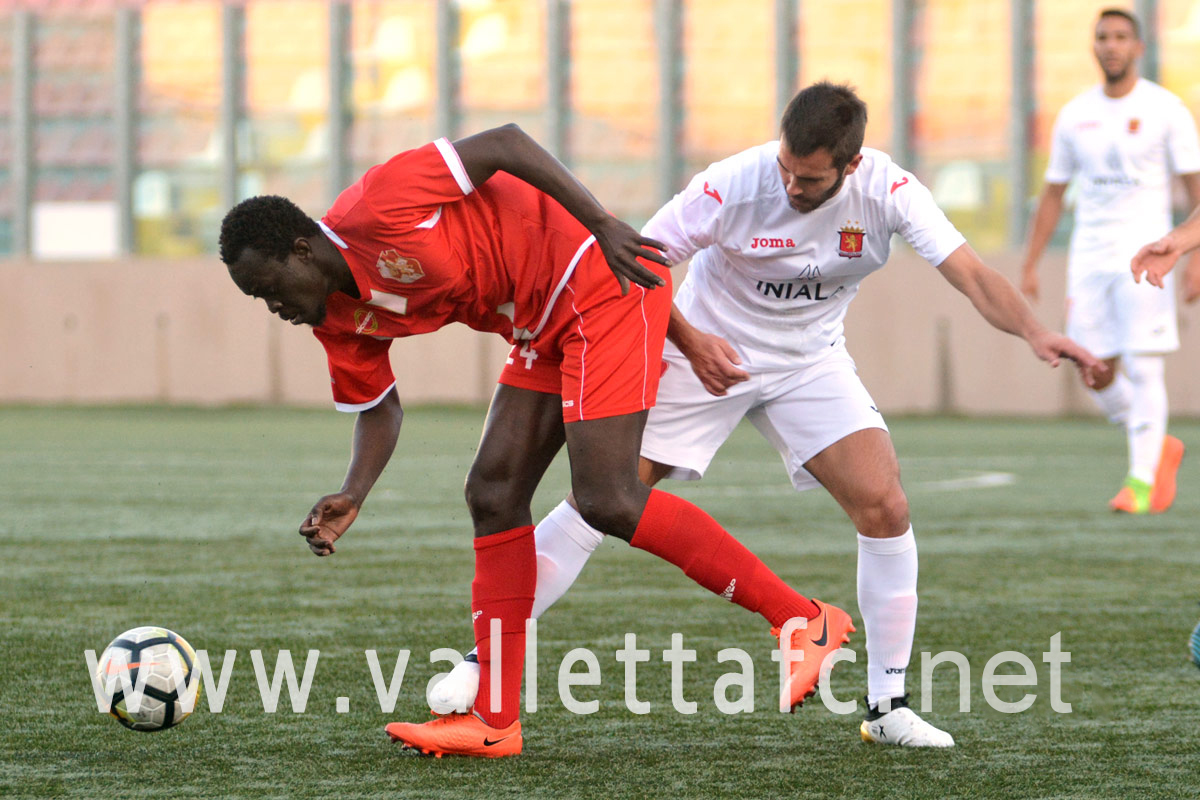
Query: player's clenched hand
pixel 1053 347
pixel 327 521
pixel 715 363
pixel 622 246
pixel 1155 260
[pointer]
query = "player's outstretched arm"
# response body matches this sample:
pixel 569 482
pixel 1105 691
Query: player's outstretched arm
pixel 1045 220
pixel 1191 236
pixel 510 149
pixel 1158 258
pixel 712 358
pixel 1191 278
pixel 999 302
pixel 375 433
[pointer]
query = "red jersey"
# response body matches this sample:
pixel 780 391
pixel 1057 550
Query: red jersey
pixel 426 249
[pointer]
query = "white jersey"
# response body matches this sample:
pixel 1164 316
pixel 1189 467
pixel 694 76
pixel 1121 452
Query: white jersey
pixel 1124 152
pixel 775 282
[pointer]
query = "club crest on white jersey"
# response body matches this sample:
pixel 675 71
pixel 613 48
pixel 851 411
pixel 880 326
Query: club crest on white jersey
pixel 850 245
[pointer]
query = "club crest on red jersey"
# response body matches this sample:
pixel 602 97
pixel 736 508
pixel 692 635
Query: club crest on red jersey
pixel 365 322
pixel 850 241
pixel 399 268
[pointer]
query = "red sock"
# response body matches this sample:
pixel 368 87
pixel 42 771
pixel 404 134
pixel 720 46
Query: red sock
pixel 677 531
pixel 505 578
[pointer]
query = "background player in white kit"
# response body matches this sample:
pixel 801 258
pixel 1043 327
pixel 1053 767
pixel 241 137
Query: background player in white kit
pixel 782 236
pixel 1122 140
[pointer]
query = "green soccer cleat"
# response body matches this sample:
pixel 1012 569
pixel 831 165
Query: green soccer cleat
pixel 1134 497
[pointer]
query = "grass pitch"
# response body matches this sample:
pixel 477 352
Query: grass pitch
pixel 121 517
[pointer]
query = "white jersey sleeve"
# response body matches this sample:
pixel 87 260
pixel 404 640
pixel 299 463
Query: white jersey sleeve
pixel 1062 164
pixel 690 221
pixel 1183 146
pixel 918 219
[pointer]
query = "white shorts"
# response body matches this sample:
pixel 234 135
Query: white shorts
pixel 1110 315
pixel 800 412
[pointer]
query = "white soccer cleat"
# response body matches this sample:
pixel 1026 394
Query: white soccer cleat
pixel 901 726
pixel 455 694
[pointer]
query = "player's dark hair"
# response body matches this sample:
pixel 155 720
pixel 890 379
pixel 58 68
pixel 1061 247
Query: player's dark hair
pixel 825 116
pixel 1123 14
pixel 269 224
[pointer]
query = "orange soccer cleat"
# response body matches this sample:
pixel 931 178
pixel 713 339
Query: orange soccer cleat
pixel 825 633
pixel 1134 497
pixel 1163 493
pixel 458 735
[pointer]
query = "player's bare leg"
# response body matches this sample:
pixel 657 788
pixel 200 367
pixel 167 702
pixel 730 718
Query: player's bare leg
pixel 862 473
pixel 564 542
pixel 604 459
pixel 672 529
pixel 604 472
pixel 608 447
pixel 522 434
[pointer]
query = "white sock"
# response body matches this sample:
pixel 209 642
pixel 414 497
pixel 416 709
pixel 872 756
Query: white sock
pixel 1147 414
pixel 1114 399
pixel 887 600
pixel 564 542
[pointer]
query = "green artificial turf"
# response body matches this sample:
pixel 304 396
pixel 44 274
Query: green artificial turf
pixel 115 518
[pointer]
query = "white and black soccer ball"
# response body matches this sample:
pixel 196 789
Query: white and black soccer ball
pixel 144 673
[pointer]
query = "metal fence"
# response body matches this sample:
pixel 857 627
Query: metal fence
pixel 129 128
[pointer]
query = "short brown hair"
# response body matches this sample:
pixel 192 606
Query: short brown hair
pixel 825 116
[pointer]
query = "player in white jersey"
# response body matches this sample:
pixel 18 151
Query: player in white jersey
pixel 782 235
pixel 1122 142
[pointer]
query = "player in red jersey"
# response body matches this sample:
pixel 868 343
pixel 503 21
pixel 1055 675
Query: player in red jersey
pixel 491 231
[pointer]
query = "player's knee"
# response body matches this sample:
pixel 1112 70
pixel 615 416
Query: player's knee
pixel 613 512
pixel 1144 370
pixel 886 516
pixel 601 516
pixel 488 498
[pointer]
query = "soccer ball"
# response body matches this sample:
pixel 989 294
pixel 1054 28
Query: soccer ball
pixel 143 672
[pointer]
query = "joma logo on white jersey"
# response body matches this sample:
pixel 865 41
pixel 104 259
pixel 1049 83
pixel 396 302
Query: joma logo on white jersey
pixel 758 242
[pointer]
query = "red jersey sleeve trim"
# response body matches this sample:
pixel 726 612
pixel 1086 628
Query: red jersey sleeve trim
pixel 558 289
pixel 367 406
pixel 333 237
pixel 455 164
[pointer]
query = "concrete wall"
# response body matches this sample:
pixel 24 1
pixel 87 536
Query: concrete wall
pixel 180 332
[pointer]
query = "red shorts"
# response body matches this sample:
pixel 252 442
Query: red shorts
pixel 601 352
